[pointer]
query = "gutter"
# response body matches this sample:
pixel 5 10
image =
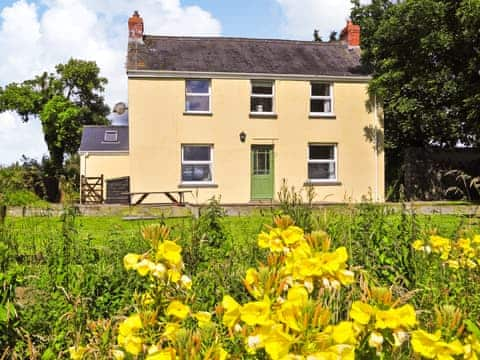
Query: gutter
pixel 142 74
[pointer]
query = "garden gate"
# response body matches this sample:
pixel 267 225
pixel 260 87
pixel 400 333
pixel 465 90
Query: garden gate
pixel 91 190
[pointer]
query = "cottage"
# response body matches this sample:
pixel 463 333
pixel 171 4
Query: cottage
pixel 235 117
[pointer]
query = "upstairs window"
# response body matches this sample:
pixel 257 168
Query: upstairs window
pixel 110 136
pixel 197 96
pixel 321 99
pixel 322 162
pixel 197 163
pixel 261 99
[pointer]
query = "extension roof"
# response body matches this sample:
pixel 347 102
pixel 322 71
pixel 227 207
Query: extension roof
pixel 243 55
pixel 93 139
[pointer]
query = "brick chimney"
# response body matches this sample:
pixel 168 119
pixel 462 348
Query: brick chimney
pixel 135 28
pixel 351 34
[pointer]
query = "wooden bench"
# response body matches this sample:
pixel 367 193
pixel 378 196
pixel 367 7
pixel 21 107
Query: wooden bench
pixel 177 197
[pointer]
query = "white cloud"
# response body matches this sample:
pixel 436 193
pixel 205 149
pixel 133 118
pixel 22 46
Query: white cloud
pixel 18 138
pixel 33 41
pixel 301 17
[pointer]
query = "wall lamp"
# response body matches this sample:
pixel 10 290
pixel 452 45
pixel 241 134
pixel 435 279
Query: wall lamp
pixel 243 136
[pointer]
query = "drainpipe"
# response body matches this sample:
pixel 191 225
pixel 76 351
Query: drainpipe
pixel 375 128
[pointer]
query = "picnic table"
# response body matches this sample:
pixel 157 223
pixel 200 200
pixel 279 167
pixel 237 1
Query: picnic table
pixel 177 197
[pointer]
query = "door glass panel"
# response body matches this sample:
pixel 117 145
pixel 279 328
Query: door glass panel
pixel 261 162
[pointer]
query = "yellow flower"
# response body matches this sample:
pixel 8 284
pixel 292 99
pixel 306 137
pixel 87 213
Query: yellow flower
pixel 263 240
pixel 221 354
pixel 394 318
pixel 346 277
pixel 407 315
pixel 164 354
pixel 251 277
pixel 256 312
pixel 440 244
pixel 133 344
pixel 130 260
pixel 277 343
pixel 232 311
pixel 336 352
pixel 292 235
pixel 204 318
pixel 171 252
pixel 291 315
pixel 144 267
pixel 361 312
pixel 453 264
pixel 130 325
pixel 170 331
pixel 177 309
pixel 418 245
pixel 343 333
pixel 298 295
pixel 76 353
pixel 431 347
pixel 174 275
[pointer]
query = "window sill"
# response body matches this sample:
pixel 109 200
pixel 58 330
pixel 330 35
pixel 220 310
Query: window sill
pixel 197 185
pixel 322 116
pixel 197 113
pixel 259 115
pixel 322 183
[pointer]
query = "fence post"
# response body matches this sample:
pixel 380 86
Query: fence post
pixel 101 190
pixel 3 213
pixel 81 188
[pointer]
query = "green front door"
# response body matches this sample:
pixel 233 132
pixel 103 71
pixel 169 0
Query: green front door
pixel 262 172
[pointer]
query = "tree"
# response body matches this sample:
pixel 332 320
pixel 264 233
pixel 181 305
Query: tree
pixel 64 102
pixel 424 56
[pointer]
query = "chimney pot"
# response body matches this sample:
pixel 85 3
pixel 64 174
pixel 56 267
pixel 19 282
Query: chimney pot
pixel 135 28
pixel 351 34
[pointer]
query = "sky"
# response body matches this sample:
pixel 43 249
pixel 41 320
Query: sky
pixel 35 35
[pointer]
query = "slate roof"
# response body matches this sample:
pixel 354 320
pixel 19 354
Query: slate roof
pixel 243 55
pixel 93 139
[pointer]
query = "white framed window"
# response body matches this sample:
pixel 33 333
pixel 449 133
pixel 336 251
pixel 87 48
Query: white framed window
pixel 197 96
pixel 322 162
pixel 197 164
pixel 262 97
pixel 321 99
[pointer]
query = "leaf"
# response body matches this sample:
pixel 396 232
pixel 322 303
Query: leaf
pixel 473 328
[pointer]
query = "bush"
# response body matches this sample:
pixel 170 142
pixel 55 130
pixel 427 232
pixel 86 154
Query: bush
pixel 22 198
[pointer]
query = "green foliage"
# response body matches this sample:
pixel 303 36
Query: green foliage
pixel 64 101
pixel 18 184
pixel 293 205
pixel 423 55
pixel 209 227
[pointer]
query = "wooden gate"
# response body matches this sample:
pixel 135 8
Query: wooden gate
pixel 118 191
pixel 91 190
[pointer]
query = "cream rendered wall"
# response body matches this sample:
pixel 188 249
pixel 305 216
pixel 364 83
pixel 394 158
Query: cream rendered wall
pixel 158 127
pixel 111 165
